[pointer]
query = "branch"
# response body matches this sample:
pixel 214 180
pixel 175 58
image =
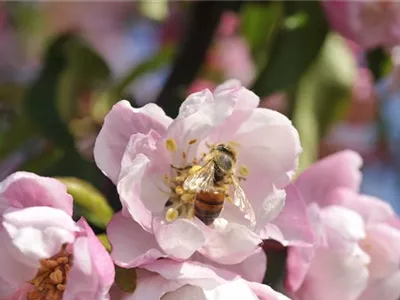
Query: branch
pixel 203 23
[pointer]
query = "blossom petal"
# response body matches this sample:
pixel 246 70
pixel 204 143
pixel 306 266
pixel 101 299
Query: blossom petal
pixel 370 208
pixel 151 286
pixel 120 123
pixel 343 227
pixel 197 126
pixel 191 273
pixel 233 89
pixel 265 292
pixel 383 246
pixel 131 245
pixel 387 288
pixel 251 269
pixel 13 273
pixel 236 289
pixel 187 292
pixel 334 276
pixel 294 212
pixel 230 243
pixel 24 189
pixel 179 239
pixel 92 272
pixel 38 232
pixel 323 177
pixel 144 166
pixel 194 102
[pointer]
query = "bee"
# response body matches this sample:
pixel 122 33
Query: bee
pixel 212 182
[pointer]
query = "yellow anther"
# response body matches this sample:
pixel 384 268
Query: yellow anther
pixel 244 171
pixel 191 142
pixel 187 198
pixel 194 169
pixel 170 145
pixel 179 190
pixel 171 215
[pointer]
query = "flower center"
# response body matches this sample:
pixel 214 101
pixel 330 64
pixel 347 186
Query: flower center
pixel 51 278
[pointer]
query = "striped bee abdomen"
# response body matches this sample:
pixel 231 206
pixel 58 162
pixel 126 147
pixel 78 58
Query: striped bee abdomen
pixel 208 206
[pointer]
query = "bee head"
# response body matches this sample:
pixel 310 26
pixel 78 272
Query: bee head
pixel 228 150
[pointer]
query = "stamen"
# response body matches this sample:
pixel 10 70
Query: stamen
pixel 190 213
pixel 244 171
pixel 170 145
pixel 187 198
pixel 179 190
pixel 51 278
pixel 191 142
pixel 172 214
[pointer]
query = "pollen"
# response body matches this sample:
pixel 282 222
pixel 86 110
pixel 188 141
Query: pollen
pixel 179 190
pixel 51 278
pixel 171 145
pixel 244 171
pixel 194 169
pixel 171 215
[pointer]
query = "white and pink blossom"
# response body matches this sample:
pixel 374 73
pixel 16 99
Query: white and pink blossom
pixel 43 252
pixel 136 148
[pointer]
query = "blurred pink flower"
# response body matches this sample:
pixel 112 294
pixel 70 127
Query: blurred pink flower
pixel 43 251
pixel 368 23
pixel 229 23
pixel 166 280
pixel 233 58
pixel 200 84
pixel 356 255
pixel 136 148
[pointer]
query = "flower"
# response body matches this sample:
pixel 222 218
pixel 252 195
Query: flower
pixel 356 255
pixel 369 23
pixel 140 149
pixel 167 279
pixel 43 252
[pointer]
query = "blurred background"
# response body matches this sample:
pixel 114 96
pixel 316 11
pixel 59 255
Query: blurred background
pixel 64 64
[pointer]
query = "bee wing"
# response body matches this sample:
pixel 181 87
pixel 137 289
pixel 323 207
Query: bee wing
pixel 241 201
pixel 201 180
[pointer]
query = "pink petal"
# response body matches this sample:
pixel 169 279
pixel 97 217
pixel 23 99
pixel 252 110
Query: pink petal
pixel 251 269
pixel 120 123
pixel 38 232
pixel 233 89
pixel 131 245
pixel 335 276
pixel 194 102
pixel 179 239
pixel 343 227
pixel 230 243
pixel 13 273
pixel 335 171
pixel 236 289
pixel 370 208
pixel 383 246
pixel 196 123
pixel 141 184
pixel 92 272
pixel 294 212
pixel 191 273
pixel 186 292
pixel 24 189
pixel 386 288
pixel 151 286
pixel 265 292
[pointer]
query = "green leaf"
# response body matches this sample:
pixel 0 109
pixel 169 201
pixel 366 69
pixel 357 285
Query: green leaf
pixel 88 201
pixel 40 102
pixel 322 95
pixel 125 279
pixel 296 46
pixel 104 240
pixel 84 71
pixel 258 24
